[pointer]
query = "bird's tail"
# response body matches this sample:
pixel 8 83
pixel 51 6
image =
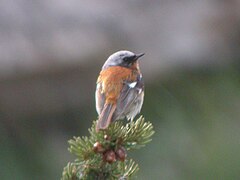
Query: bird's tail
pixel 105 117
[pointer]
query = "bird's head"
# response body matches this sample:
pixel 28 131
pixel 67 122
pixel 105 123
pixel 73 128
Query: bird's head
pixel 122 58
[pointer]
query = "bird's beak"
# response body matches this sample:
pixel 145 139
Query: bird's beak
pixel 139 55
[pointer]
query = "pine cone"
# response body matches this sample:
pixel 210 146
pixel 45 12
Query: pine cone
pixel 109 156
pixel 121 153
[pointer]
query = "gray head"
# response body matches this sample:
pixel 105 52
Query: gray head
pixel 122 58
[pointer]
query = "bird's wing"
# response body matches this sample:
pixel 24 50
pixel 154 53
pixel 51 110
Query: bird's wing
pixel 130 92
pixel 105 111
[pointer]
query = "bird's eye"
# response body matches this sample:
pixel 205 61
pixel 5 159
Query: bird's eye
pixel 129 58
pixel 125 59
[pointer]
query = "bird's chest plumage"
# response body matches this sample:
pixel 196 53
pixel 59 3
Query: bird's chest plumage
pixel 112 80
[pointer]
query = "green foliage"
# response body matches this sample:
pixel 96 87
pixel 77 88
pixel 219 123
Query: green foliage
pixel 103 154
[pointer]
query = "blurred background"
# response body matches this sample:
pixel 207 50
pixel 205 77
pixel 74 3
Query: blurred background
pixel 51 52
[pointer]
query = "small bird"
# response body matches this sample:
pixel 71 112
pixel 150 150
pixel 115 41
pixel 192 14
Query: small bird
pixel 120 89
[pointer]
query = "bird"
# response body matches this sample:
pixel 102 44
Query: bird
pixel 119 89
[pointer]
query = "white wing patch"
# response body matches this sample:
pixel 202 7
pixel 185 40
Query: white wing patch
pixel 132 85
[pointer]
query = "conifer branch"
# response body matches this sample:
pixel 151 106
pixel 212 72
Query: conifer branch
pixel 103 154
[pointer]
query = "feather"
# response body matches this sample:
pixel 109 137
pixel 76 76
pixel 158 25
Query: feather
pixel 130 101
pixel 105 117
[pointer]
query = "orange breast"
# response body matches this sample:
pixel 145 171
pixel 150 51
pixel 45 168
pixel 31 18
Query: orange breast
pixel 112 80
